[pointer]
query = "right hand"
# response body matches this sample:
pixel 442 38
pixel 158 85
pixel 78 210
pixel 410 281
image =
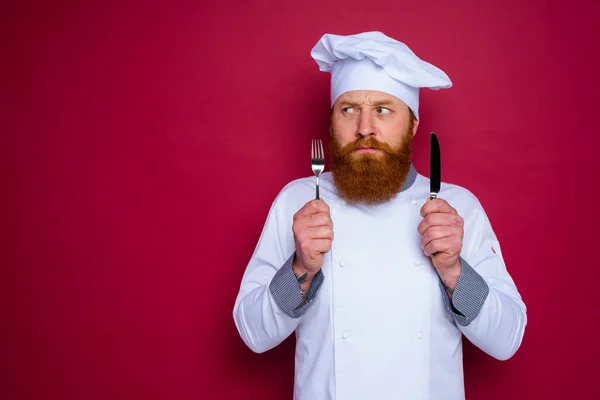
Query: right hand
pixel 313 234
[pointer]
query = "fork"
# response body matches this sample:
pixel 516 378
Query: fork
pixel 317 156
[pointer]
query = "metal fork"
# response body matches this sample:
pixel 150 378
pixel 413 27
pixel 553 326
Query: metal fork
pixel 317 156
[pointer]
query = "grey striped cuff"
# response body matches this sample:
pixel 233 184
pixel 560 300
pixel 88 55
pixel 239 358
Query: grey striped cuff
pixel 469 295
pixel 286 291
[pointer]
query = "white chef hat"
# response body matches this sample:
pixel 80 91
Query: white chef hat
pixel 374 61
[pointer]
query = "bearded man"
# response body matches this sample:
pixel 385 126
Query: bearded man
pixel 378 283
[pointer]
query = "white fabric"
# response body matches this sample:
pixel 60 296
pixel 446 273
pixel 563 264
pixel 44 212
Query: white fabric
pixel 374 61
pixel 378 328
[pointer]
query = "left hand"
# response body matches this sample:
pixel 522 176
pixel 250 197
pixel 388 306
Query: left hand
pixel 442 233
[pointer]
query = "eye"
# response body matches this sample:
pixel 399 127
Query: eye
pixel 383 110
pixel 347 110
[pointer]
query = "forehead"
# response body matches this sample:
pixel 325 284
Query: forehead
pixel 368 97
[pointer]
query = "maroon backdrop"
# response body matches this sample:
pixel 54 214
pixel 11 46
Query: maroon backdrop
pixel 142 144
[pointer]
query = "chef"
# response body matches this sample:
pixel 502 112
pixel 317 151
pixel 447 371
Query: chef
pixel 378 283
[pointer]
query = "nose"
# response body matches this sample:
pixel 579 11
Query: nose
pixel 365 126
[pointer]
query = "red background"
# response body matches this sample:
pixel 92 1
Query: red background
pixel 142 144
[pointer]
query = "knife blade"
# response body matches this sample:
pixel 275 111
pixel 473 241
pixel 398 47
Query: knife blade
pixel 435 167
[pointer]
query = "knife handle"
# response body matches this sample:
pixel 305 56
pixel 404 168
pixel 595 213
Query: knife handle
pixel 432 196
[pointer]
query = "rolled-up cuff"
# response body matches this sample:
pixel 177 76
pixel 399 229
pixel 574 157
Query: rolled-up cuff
pixel 470 293
pixel 286 292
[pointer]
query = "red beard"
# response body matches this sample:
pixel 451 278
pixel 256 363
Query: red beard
pixel 370 178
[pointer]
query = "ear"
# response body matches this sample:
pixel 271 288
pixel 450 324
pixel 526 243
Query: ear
pixel 415 126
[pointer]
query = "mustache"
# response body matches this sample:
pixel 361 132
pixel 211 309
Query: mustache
pixel 368 142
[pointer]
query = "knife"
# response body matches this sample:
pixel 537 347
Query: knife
pixel 435 168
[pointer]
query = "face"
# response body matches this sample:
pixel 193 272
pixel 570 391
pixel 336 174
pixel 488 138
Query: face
pixel 370 145
pixel 366 114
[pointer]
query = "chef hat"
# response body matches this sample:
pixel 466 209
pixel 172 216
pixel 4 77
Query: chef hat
pixel 373 61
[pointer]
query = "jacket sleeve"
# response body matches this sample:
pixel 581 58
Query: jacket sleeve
pixel 486 305
pixel 268 306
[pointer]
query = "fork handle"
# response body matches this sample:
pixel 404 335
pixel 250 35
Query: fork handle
pixel 317 188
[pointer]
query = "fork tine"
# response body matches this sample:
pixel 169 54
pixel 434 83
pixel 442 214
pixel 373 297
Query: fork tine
pixel 316 149
pixel 312 149
pixel 322 153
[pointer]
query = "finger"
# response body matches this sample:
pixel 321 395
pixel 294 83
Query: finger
pixel 322 245
pixel 433 233
pixel 437 206
pixel 316 248
pixel 304 231
pixel 440 232
pixel 450 246
pixel 313 207
pixel 320 232
pixel 438 219
pixel 320 219
pixel 437 246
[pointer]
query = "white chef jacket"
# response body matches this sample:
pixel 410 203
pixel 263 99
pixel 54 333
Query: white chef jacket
pixel 380 325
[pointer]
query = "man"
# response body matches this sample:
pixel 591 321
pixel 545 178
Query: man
pixel 378 283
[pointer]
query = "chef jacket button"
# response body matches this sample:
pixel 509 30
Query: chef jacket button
pixel 344 202
pixel 345 335
pixel 419 335
pixel 414 202
pixel 417 263
pixel 342 263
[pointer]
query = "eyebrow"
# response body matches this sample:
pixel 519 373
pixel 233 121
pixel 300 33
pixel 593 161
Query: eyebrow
pixel 376 103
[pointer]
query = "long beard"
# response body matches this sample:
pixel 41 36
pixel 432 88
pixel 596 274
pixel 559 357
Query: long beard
pixel 370 178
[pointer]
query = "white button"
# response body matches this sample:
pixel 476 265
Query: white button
pixel 414 202
pixel 345 335
pixel 344 202
pixel 342 263
pixel 419 335
pixel 417 263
